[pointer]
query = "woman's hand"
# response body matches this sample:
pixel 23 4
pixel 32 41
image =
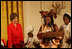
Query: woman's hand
pixel 11 46
pixel 56 42
pixel 68 40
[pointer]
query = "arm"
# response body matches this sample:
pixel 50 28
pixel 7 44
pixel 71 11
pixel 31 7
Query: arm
pixel 56 28
pixel 70 31
pixel 69 38
pixel 55 43
pixel 9 37
pixel 21 33
pixel 61 29
pixel 40 29
pixel 39 35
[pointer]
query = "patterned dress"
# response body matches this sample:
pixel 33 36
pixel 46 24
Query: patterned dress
pixel 45 29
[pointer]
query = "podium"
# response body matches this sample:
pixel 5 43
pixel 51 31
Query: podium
pixel 50 34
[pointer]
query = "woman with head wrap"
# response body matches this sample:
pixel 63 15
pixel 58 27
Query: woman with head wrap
pixel 66 27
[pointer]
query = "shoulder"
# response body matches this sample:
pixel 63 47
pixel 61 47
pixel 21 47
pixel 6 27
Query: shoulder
pixel 69 24
pixel 19 25
pixel 42 25
pixel 9 26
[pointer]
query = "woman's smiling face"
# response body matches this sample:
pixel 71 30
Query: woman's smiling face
pixel 66 20
pixel 15 20
pixel 48 20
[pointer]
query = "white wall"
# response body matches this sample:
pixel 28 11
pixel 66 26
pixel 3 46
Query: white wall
pixel 32 16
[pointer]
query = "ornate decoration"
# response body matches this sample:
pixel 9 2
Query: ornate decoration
pixel 58 6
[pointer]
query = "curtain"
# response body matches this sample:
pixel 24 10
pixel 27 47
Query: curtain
pixel 8 7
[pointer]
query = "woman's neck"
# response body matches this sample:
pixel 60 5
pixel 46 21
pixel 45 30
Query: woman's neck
pixel 48 24
pixel 14 24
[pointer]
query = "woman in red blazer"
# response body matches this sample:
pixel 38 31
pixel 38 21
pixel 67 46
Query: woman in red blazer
pixel 15 34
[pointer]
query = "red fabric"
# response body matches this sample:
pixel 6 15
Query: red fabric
pixel 15 34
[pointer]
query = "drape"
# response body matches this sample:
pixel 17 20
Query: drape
pixel 8 7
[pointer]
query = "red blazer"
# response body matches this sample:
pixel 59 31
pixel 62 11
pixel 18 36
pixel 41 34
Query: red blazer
pixel 15 34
